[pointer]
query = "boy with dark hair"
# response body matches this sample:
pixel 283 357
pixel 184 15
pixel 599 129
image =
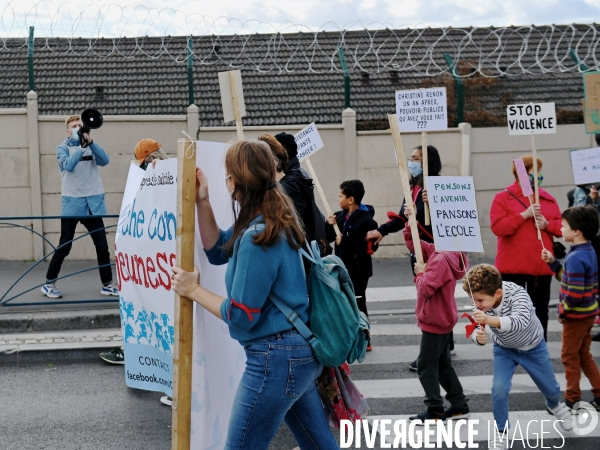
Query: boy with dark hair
pixel 354 221
pixel 518 338
pixel 578 306
pixel 437 314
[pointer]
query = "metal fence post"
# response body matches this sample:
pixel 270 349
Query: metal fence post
pixel 346 77
pixel 190 68
pixel 30 59
pixel 460 92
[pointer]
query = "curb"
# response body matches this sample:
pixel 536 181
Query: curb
pixel 59 321
pixel 67 355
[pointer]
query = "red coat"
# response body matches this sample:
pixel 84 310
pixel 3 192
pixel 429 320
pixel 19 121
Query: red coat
pixel 436 308
pixel 519 250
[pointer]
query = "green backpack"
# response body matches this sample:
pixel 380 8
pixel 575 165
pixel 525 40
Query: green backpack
pixel 338 330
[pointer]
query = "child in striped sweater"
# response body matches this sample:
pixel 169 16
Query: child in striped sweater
pixel 518 338
pixel 578 306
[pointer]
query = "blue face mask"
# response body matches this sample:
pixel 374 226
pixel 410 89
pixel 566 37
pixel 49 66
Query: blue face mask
pixel 74 134
pixel 415 169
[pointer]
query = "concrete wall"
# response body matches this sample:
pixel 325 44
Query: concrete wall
pixel 30 179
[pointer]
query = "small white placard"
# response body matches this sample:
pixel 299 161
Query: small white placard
pixel 454 215
pixel 309 142
pixel 531 118
pixel 586 165
pixel 227 95
pixel 422 110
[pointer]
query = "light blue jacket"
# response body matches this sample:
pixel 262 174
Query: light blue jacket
pixel 82 190
pixel 253 275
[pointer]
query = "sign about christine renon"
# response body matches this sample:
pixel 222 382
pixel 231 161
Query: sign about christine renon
pixel 422 110
pixel 454 216
pixel 309 141
pixel 532 118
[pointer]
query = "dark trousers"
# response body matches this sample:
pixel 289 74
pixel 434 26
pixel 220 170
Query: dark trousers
pixel 360 283
pixel 538 288
pixel 434 367
pixel 67 232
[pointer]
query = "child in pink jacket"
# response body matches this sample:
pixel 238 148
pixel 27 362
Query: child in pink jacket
pixel 437 314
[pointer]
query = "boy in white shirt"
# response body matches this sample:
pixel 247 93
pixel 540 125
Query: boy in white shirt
pixel 518 339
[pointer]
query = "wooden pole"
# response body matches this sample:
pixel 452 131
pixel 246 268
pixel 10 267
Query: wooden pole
pixel 425 157
pixel 536 187
pixel 313 175
pixel 412 219
pixel 236 106
pixel 182 357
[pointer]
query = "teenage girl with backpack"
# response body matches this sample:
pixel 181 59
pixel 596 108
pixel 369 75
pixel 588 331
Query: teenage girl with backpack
pixel 279 381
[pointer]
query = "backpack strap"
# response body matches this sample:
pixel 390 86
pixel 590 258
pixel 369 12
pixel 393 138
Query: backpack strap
pixel 291 315
pixel 293 318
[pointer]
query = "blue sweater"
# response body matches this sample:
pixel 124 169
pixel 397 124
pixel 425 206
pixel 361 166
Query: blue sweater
pixel 578 283
pixel 253 275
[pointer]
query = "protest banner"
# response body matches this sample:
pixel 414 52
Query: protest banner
pixel 532 119
pixel 309 142
pixel 145 249
pixel 144 253
pixel 401 161
pixel 454 214
pixel 232 99
pixel 422 110
pixel 591 113
pixel 586 166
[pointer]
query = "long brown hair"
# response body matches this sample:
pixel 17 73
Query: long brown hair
pixel 279 152
pixel 252 168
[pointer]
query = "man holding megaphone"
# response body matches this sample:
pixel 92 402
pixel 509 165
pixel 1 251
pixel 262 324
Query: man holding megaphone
pixel 78 158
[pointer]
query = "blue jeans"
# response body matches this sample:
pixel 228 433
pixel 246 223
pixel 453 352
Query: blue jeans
pixel 279 384
pixel 536 363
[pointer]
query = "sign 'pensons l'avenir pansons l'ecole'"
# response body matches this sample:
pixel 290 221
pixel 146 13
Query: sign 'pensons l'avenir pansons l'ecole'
pixel 454 215
pixel 531 118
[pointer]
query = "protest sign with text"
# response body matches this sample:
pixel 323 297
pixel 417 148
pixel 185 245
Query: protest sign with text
pixel 309 141
pixel 531 118
pixel 454 214
pixel 422 110
pixel 144 254
pixel 145 250
pixel 586 166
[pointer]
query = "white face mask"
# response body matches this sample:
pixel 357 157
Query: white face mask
pixel 74 133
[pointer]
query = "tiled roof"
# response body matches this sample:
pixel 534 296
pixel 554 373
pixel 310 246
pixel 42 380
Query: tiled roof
pixel 158 85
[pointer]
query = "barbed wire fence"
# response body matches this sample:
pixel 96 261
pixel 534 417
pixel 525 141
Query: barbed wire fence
pixel 116 30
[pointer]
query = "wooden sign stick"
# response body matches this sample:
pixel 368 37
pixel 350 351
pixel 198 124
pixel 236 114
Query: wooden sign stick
pixel 236 106
pixel 184 309
pixel 536 187
pixel 425 158
pixel 412 220
pixel 313 175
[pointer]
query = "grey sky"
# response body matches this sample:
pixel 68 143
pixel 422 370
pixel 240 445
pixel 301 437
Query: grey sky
pixel 200 16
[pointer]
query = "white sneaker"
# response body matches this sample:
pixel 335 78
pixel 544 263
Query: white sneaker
pixel 166 400
pixel 453 352
pixel 499 445
pixel 563 413
pixel 50 291
pixel 111 289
